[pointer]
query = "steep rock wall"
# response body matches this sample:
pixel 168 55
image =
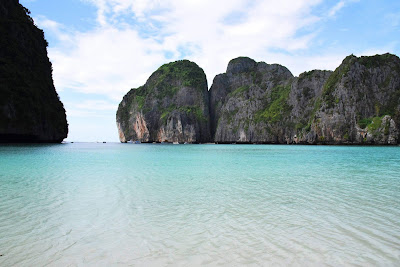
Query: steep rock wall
pixel 255 102
pixel 172 106
pixel 360 103
pixel 30 109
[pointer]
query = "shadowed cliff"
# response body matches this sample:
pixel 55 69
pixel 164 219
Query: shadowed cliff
pixel 30 109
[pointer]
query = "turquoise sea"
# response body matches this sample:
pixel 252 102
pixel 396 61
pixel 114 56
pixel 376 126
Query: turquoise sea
pixel 89 204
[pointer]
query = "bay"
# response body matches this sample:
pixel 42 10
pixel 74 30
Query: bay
pixel 92 204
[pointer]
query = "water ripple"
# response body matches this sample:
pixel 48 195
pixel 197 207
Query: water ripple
pixel 156 205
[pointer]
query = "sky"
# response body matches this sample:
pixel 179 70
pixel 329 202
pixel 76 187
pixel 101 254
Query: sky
pixel 100 49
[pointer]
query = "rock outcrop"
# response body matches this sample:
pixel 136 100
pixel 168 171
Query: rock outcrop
pixel 30 109
pixel 360 103
pixel 173 106
pixel 254 102
pixel 239 97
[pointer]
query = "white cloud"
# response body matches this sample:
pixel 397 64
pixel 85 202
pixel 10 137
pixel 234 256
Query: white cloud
pixel 336 8
pixel 96 105
pixel 53 26
pixel 117 56
pixel 339 6
pixel 133 38
pixel 389 48
pixel 393 19
pixel 91 108
pixel 106 61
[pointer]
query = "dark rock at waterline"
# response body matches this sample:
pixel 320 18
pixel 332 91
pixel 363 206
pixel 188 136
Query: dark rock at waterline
pixel 30 109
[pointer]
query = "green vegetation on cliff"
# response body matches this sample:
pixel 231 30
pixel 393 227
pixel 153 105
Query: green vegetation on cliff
pixel 134 98
pixel 374 124
pixel 240 90
pixel 277 107
pixel 188 110
pixel 164 83
pixel 174 98
pixel 262 103
pixel 333 81
pixel 363 123
pixel 185 71
pixel 377 61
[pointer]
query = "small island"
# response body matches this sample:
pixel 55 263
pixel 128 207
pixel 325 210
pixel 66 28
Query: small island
pixel 256 102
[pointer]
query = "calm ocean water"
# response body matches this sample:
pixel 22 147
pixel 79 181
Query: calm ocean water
pixel 187 205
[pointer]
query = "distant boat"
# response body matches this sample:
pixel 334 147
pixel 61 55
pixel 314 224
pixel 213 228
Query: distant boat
pixel 138 142
pixel 176 143
pixel 185 143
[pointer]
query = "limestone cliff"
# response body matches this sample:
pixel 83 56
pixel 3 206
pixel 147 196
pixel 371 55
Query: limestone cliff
pixel 239 97
pixel 359 103
pixel 255 102
pixel 171 107
pixel 30 109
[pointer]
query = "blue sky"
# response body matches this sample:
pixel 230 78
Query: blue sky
pixel 102 48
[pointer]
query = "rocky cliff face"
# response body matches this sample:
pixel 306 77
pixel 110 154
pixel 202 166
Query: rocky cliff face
pixel 30 110
pixel 305 91
pixel 358 103
pixel 172 106
pixel 246 102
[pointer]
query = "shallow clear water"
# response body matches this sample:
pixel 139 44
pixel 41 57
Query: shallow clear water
pixel 187 205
